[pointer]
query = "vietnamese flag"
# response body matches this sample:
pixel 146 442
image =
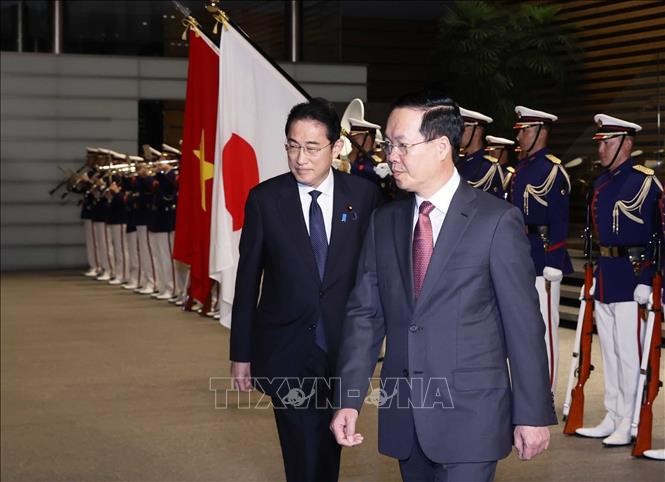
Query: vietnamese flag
pixel 192 231
pixel 255 98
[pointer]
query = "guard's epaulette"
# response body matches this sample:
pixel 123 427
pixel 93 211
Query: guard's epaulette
pixel 511 169
pixel 377 159
pixel 644 170
pixel 491 158
pixel 553 158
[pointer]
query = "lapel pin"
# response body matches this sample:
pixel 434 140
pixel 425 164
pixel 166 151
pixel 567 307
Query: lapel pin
pixel 349 214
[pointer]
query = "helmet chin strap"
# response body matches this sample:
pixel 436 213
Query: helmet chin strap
pixel 535 139
pixel 616 153
pixel 473 132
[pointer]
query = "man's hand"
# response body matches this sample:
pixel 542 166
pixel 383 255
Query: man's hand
pixel 241 376
pixel 530 441
pixel 343 426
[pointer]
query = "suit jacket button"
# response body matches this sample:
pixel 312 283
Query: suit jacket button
pixel 321 293
pixel 312 326
pixel 413 328
pixel 405 372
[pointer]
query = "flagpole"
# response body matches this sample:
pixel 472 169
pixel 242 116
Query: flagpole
pixel 221 17
pixel 190 23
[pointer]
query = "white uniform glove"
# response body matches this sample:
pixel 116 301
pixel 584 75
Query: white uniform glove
pixel 382 170
pixel 552 274
pixel 591 291
pixel 346 148
pixel 642 294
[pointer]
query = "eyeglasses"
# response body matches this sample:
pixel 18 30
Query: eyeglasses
pixel 294 149
pixel 402 149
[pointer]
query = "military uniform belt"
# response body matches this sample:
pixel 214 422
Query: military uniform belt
pixel 632 252
pixel 542 230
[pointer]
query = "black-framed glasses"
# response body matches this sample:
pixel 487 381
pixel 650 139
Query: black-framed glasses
pixel 293 149
pixel 402 149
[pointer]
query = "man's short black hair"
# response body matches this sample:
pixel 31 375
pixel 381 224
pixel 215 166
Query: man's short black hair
pixel 441 116
pixel 318 109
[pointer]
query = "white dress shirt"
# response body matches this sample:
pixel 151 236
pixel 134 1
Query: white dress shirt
pixel 325 201
pixel 441 200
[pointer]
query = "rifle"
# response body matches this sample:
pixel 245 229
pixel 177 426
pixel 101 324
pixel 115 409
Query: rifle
pixel 66 180
pixel 573 407
pixel 649 382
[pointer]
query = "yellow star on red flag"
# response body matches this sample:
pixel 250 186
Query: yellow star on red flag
pixel 206 169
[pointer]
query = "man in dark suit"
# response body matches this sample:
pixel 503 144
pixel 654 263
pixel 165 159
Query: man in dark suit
pixel 447 278
pixel 301 238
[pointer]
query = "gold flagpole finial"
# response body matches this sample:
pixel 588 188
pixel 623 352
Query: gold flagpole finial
pixel 218 14
pixel 190 22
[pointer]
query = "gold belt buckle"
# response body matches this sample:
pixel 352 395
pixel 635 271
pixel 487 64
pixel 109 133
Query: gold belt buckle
pixel 609 251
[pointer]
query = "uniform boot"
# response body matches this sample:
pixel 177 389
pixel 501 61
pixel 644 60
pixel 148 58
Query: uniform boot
pixel 148 290
pixel 603 429
pixel 620 436
pixel 656 454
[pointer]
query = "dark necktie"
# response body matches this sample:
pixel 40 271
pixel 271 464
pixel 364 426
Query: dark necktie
pixel 423 246
pixel 319 240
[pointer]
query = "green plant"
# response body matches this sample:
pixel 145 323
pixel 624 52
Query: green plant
pixel 491 56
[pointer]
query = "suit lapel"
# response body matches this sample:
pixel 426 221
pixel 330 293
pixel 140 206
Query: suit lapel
pixel 460 213
pixel 403 229
pixel 294 225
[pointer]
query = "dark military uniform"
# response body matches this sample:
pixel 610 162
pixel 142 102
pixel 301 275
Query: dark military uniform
pixel 162 225
pixel 141 200
pixel 482 171
pixel 131 234
pixel 624 204
pixel 541 189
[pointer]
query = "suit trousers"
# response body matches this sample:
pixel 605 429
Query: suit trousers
pixel 621 335
pixel 309 449
pixel 146 263
pixel 549 308
pixel 132 258
pixel 419 468
pixel 90 248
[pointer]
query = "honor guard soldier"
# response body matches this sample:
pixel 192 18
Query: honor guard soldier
pixel 142 216
pixel 362 140
pixel 480 169
pixel 100 214
pixel 180 270
pixel 131 233
pixel 117 218
pixel 162 224
pixel 498 147
pixel 624 207
pixel 82 185
pixel 540 187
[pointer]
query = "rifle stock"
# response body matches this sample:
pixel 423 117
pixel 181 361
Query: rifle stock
pixel 581 363
pixel 575 418
pixel 651 376
pixel 574 362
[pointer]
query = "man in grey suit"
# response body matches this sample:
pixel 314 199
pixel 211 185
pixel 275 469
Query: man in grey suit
pixel 445 277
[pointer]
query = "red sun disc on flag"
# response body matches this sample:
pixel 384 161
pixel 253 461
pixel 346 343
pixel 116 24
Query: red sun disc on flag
pixel 240 171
